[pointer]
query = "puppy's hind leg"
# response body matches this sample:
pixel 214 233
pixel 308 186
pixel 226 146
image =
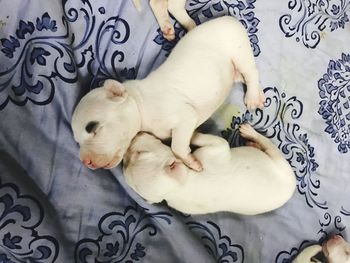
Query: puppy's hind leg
pixel 286 176
pixel 211 144
pixel 259 141
pixel 272 151
pixel 177 9
pixel 254 144
pixel 160 11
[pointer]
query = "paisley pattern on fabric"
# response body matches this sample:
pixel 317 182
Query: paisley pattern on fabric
pixel 218 246
pixel 308 19
pixel 20 240
pixel 279 121
pixel 26 78
pixel 334 91
pixel 120 234
pixel 40 54
pixel 204 10
pixel 288 256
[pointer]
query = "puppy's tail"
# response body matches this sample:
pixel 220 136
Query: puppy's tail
pixel 137 4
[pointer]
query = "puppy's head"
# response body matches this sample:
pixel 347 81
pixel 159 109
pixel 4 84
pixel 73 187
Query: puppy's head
pixel 104 123
pixel 337 250
pixel 151 168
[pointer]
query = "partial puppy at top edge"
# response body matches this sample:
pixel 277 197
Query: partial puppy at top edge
pixel 161 9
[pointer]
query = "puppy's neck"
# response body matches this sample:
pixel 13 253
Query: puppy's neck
pixel 135 94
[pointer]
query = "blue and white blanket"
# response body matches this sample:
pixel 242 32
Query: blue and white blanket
pixel 53 209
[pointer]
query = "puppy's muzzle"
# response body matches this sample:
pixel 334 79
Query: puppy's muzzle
pixel 93 161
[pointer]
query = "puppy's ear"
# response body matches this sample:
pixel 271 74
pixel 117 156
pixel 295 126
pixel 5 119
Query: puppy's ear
pixel 176 169
pixel 115 90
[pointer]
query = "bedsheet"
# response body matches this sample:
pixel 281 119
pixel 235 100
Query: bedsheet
pixel 53 209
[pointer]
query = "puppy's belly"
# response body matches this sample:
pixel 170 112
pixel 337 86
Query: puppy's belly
pixel 246 185
pixel 204 85
pixel 205 108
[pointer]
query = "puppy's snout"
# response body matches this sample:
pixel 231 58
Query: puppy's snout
pixel 88 163
pixel 336 238
pixel 95 161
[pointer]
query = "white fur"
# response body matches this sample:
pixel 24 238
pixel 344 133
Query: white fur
pixel 243 180
pixel 174 99
pixel 336 250
pixel 160 10
pixel 138 5
pixel 306 255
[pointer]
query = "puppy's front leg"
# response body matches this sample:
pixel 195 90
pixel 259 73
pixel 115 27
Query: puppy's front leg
pixel 160 11
pixel 180 143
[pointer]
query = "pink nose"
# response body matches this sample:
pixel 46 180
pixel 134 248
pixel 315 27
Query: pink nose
pixel 88 163
pixel 336 237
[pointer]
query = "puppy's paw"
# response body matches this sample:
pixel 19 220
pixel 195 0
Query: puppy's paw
pixel 254 99
pixel 247 132
pixel 196 165
pixel 193 163
pixel 262 99
pixel 168 31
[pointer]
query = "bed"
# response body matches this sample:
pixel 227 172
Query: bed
pixel 53 209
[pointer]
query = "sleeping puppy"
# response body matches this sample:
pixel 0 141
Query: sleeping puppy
pixel 173 100
pixel 245 180
pixel 334 250
pixel 160 10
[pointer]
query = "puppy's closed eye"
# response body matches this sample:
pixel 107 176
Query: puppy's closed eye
pixel 144 154
pixel 91 126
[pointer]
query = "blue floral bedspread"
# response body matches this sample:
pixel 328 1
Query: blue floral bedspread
pixel 53 209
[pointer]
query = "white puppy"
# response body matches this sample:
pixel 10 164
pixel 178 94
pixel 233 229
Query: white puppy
pixel 173 100
pixel 335 250
pixel 244 180
pixel 160 10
